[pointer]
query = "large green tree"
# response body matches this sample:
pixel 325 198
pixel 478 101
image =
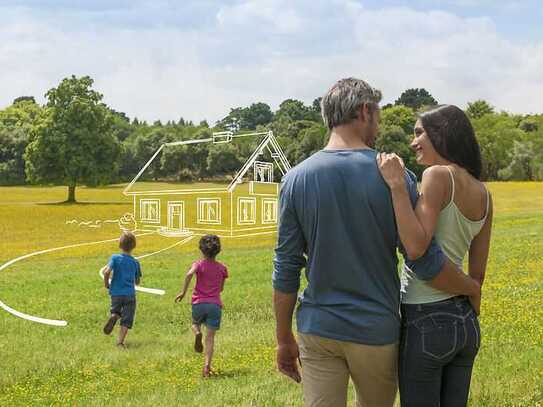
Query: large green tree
pixel 256 114
pixel 187 162
pixel 74 145
pixel 316 105
pixel 478 109
pixel 146 145
pixel 223 160
pixel 23 113
pixel 289 133
pixel 416 98
pixel 311 140
pixel 293 109
pixel 24 99
pixel 16 123
pixel 248 118
pixel 401 116
pixel 531 123
pixel 121 125
pixel 179 163
pixel 521 166
pixel 496 134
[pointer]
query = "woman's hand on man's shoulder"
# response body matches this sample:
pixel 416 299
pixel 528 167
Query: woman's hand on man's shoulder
pixel 392 169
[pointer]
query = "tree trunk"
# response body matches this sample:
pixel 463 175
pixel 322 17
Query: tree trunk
pixel 71 193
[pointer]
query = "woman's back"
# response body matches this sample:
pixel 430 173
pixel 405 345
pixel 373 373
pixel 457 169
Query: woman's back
pixel 470 195
pixel 458 223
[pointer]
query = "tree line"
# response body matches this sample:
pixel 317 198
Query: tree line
pixel 76 139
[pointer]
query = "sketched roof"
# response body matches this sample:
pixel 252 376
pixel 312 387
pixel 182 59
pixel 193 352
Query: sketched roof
pixel 268 143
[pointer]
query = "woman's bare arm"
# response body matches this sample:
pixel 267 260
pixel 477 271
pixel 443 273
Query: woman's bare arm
pixel 416 227
pixel 453 280
pixel 479 248
pixel 478 252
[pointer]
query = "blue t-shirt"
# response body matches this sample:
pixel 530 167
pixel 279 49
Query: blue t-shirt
pixel 126 270
pixel 337 221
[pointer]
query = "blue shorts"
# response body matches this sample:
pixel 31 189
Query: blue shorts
pixel 125 307
pixel 207 314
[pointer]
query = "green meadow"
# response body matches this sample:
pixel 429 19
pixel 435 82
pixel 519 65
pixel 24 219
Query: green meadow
pixel 79 365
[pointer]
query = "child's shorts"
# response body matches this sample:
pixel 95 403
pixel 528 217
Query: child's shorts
pixel 208 314
pixel 125 306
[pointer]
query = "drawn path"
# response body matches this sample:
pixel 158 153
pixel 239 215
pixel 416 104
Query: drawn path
pixel 56 322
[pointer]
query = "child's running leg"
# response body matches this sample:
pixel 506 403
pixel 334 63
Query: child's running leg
pixel 122 335
pixel 115 313
pixel 108 327
pixel 127 318
pixel 210 342
pixel 198 346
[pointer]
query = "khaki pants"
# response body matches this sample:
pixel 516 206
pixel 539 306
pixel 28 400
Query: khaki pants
pixel 327 365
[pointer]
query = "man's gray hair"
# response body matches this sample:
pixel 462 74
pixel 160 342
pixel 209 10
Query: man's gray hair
pixel 342 102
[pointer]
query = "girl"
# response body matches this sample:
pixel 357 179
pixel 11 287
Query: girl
pixel 206 297
pixel 440 331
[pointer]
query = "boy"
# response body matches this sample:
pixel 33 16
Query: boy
pixel 126 275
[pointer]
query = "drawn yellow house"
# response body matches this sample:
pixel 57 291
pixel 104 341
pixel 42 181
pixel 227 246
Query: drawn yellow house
pixel 248 205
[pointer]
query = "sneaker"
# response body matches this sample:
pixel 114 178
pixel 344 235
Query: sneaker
pixel 198 345
pixel 108 327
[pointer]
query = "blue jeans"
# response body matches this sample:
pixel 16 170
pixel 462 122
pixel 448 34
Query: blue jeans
pixel 439 342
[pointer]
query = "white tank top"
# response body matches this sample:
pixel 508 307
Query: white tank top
pixel 454 233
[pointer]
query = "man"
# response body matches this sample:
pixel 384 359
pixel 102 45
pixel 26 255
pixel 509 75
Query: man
pixel 337 221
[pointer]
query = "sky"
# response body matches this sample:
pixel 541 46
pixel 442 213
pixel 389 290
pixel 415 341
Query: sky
pixel 196 59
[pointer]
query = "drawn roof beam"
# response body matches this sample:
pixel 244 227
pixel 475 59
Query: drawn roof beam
pixel 265 143
pixel 260 133
pixel 248 164
pixel 279 150
pixel 143 169
pixel 182 143
pixel 275 156
pixel 228 135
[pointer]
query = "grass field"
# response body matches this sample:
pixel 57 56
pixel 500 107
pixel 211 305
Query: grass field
pixel 78 365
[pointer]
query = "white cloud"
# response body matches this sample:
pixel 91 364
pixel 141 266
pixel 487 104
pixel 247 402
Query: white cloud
pixel 266 51
pixel 504 5
pixel 275 15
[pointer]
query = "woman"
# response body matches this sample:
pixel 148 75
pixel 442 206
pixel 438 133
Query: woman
pixel 440 331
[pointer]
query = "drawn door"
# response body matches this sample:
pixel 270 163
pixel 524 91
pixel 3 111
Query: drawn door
pixel 176 215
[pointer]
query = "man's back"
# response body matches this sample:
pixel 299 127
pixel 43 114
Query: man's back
pixel 345 214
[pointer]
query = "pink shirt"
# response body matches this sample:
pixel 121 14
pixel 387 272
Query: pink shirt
pixel 210 276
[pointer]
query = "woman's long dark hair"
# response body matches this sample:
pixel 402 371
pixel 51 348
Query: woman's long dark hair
pixel 452 135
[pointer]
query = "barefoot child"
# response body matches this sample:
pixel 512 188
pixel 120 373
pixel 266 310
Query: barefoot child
pixel 206 297
pixel 126 275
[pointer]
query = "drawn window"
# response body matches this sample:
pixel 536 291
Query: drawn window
pixel 269 211
pixel 263 172
pixel 246 211
pixel 209 211
pixel 150 210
